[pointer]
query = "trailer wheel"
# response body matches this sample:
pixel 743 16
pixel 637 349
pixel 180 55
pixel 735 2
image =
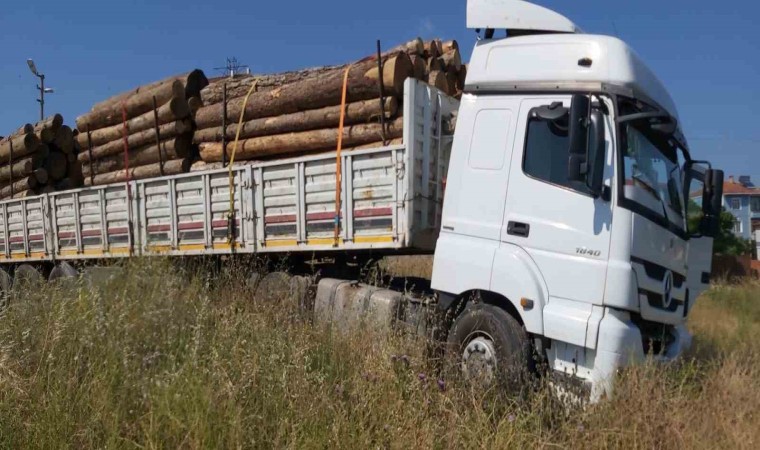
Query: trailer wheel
pixel 5 289
pixel 273 286
pixel 24 277
pixel 489 346
pixel 63 271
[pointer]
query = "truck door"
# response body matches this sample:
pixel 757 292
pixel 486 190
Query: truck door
pixel 700 248
pixel 564 228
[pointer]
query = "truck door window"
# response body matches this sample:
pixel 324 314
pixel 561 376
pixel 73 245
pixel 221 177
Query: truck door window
pixel 547 146
pixel 694 214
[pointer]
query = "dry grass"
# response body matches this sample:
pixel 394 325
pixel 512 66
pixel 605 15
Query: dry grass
pixel 409 266
pixel 157 359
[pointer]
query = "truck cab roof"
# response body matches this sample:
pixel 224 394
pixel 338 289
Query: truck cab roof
pixel 564 62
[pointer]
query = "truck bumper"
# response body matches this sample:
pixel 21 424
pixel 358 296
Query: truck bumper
pixel 619 344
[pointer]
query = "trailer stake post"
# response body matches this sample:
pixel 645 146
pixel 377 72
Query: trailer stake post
pixel 89 153
pixel 224 125
pixel 161 156
pixel 382 93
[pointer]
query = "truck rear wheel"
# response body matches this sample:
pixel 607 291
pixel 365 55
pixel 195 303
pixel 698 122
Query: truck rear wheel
pixel 489 346
pixel 63 271
pixel 5 289
pixel 25 277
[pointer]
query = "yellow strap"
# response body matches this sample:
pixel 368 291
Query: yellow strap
pixel 231 237
pixel 338 161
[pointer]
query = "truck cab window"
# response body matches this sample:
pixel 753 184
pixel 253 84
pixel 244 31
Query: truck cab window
pixel 652 167
pixel 547 147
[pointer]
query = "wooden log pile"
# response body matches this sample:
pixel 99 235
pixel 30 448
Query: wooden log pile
pixel 39 158
pixel 292 113
pixel 142 133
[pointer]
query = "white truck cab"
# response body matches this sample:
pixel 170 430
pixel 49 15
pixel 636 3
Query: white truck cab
pixel 566 200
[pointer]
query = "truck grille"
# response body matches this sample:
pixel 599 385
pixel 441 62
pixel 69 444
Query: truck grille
pixel 656 300
pixel 652 291
pixel 657 272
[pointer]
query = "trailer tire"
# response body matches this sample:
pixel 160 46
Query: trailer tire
pixel 25 276
pixel 63 271
pixel 488 346
pixel 273 285
pixel 5 289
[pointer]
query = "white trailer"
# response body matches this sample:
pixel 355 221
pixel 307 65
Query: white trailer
pixel 391 200
pixel 557 215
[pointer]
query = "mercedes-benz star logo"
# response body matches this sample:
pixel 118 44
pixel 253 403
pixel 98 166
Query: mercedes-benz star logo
pixel 667 289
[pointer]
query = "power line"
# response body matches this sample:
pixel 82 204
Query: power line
pixel 233 68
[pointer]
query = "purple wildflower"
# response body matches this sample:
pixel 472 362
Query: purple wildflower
pixel 441 384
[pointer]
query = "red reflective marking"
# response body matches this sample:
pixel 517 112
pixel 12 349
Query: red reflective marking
pixel 155 228
pixel 191 226
pixel 360 213
pixel 374 212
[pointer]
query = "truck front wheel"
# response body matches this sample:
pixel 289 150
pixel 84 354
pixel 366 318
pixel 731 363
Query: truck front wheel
pixel 489 346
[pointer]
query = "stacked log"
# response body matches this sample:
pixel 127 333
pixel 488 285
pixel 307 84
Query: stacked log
pixel 39 158
pixel 293 113
pixel 141 133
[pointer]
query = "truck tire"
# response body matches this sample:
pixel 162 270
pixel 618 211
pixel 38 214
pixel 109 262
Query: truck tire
pixel 25 277
pixel 5 289
pixel 488 346
pixel 302 290
pixel 63 271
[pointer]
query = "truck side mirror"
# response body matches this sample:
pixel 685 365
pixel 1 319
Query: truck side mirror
pixel 712 202
pixel 715 178
pixel 577 163
pixel 595 178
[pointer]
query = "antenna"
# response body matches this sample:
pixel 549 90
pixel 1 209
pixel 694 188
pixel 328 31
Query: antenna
pixel 233 68
pixel 615 29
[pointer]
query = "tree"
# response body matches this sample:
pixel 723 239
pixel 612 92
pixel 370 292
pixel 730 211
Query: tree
pixel 726 242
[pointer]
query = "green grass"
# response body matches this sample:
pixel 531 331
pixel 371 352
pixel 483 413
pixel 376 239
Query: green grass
pixel 157 359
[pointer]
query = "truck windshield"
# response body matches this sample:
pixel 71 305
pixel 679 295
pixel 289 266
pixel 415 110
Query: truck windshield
pixel 652 176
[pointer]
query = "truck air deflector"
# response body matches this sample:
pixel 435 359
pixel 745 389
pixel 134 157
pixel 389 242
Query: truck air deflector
pixel 516 15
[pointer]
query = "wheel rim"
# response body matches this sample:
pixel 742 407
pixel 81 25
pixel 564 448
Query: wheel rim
pixel 479 359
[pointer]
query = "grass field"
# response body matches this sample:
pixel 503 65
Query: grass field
pixel 156 359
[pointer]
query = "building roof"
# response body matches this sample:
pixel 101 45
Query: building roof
pixel 731 187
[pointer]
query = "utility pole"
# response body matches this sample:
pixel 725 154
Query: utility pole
pixel 40 87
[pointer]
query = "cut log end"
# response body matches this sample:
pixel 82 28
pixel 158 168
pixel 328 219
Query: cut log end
pixel 438 80
pixel 395 71
pixel 448 46
pixel 419 67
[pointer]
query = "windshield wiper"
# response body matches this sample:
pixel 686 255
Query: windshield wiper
pixel 646 115
pixel 646 185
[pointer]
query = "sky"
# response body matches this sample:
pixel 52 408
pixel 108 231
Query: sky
pixel 707 53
